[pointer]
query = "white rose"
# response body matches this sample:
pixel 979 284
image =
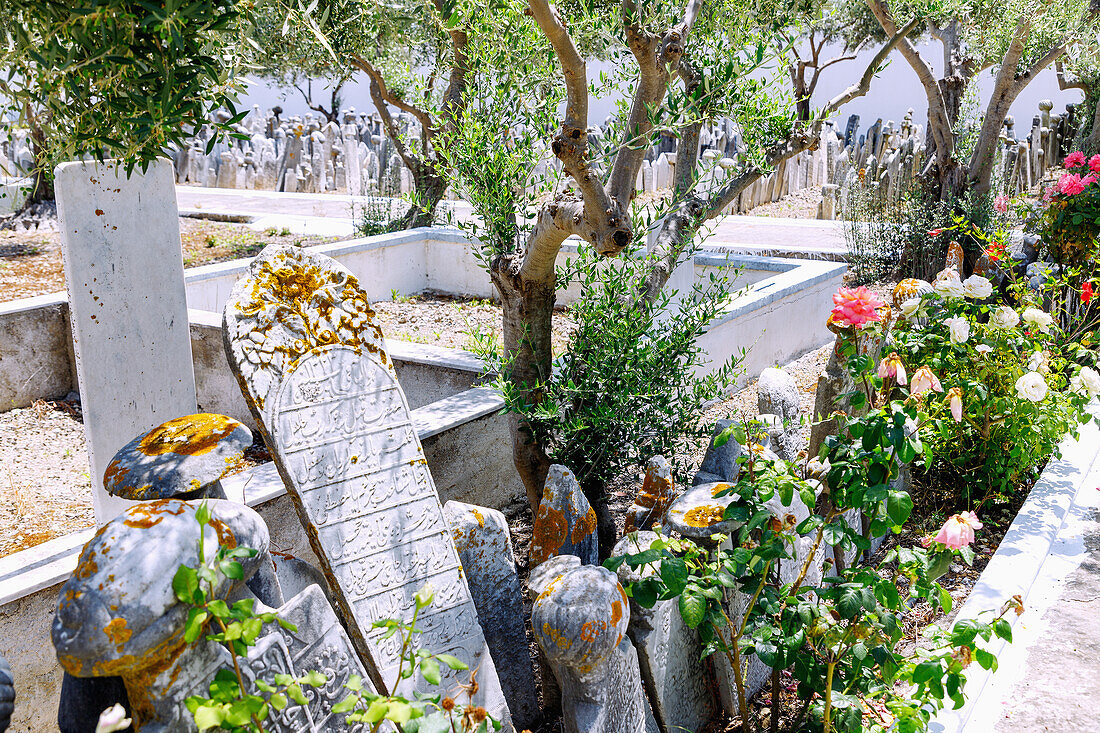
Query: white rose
pixel 1039 319
pixel 911 306
pixel 949 287
pixel 959 328
pixel 1032 387
pixel 977 287
pixel 1004 317
pixel 983 348
pixel 1038 363
pixel 1090 380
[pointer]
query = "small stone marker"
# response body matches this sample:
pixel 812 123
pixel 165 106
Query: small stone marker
pixel 485 548
pixel 118 614
pixel 184 458
pixel 124 273
pixel 777 394
pixel 720 461
pixel 654 499
pixel 312 365
pixel 669 652
pixel 565 523
pixel 580 621
pixel 697 513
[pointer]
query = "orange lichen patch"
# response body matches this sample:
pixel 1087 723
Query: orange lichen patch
pixel 478 516
pixel 226 538
pixel 548 533
pixel 151 513
pixel 592 630
pixel 955 257
pixel 555 636
pixel 115 473
pixel 707 515
pixel 117 631
pixel 87 567
pixel 616 612
pixel 718 489
pixel 584 527
pixel 908 288
pixel 192 435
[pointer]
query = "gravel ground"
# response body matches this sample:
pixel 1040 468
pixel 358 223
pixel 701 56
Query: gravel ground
pixel 30 262
pixel 44 485
pixel 798 205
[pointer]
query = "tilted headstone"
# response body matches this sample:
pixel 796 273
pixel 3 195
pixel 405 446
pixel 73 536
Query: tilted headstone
pixel 669 652
pixel 311 362
pixel 124 274
pixel 565 523
pixel 580 621
pixel 720 461
pixel 653 501
pixel 485 548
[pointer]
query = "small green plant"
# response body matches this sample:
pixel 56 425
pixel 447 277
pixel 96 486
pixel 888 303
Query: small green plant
pixel 427 713
pixel 231 706
pixel 210 240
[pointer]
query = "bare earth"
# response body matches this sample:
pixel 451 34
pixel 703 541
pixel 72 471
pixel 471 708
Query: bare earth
pixel 798 205
pixel 30 262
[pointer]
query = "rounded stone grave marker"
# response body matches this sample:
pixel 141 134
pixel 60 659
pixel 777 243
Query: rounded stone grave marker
pixel 697 513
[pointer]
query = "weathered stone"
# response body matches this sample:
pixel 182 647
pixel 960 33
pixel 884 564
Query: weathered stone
pixel 777 394
pixel 908 289
pixel 697 513
pixel 654 499
pixel 719 462
pixel 784 439
pixel 312 364
pixel 124 273
pixel 565 523
pixel 485 548
pixel 669 652
pixel 580 622
pixel 545 573
pixel 181 459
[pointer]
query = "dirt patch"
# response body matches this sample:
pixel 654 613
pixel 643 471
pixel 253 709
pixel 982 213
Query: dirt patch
pixel 30 262
pixel 800 204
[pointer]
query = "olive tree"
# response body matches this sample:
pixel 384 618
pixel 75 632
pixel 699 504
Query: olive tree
pixel 116 78
pixel 675 66
pixel 1014 41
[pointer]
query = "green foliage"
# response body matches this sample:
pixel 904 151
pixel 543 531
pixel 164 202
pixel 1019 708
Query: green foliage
pixel 842 637
pixel 232 704
pixel 119 78
pixel 627 388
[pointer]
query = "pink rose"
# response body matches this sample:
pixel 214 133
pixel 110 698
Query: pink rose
pixel 923 381
pixel 1094 164
pixel 955 403
pixel 1090 178
pixel 958 531
pixel 856 307
pixel 1070 184
pixel 1074 159
pixel 1001 203
pixel 892 368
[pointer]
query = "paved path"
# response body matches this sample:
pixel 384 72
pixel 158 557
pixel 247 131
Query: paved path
pixel 1048 679
pixel 319 213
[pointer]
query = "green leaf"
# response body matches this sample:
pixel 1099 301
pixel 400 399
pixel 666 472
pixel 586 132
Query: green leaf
pixel 1003 629
pixel 399 712
pixel 452 661
pixel 294 692
pixel 925 671
pixel 899 505
pixel 231 569
pixel 184 583
pixel 208 716
pixel 849 601
pixel 945 600
pixel 279 701
pixel 674 573
pixel 346 705
pixel 692 609
pixel 196 620
pixel 429 669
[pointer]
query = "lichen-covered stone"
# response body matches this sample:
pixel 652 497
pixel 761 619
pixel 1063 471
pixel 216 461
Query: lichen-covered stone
pixel 178 459
pixel 485 548
pixel 653 501
pixel 697 513
pixel 908 289
pixel 669 652
pixel 544 573
pixel 565 523
pixel 312 364
pixel 580 621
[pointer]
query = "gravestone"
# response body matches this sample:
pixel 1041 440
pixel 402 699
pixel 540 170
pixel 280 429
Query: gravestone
pixel 124 274
pixel 669 652
pixel 580 621
pixel 312 364
pixel 655 497
pixel 485 548
pixel 565 523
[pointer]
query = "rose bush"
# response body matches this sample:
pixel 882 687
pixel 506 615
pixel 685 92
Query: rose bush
pixel 1014 386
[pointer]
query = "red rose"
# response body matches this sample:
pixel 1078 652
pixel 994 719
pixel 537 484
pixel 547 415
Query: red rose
pixel 1086 292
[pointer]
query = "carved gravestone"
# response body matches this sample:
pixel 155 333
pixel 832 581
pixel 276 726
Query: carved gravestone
pixel 580 621
pixel 669 652
pixel 565 523
pixel 485 547
pixel 311 362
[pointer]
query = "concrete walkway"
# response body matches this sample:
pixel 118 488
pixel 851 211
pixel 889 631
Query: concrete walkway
pixel 333 215
pixel 1048 679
